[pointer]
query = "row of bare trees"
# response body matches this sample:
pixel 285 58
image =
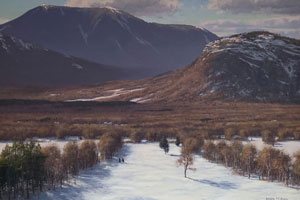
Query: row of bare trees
pixel 270 163
pixel 26 168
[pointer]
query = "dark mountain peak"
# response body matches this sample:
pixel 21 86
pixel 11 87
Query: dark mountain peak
pixel 111 37
pixel 92 11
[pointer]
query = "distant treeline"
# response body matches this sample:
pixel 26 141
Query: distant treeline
pixel 27 169
pixel 53 127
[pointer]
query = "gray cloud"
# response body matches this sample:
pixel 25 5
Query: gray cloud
pixel 136 7
pixel 288 26
pixel 290 7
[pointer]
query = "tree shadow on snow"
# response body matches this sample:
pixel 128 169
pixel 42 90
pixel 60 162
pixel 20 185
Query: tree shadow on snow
pixel 88 181
pixel 223 185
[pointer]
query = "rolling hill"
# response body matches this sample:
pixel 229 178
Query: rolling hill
pixel 252 67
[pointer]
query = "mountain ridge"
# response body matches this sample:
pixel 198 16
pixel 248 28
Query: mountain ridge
pixel 24 64
pixel 110 37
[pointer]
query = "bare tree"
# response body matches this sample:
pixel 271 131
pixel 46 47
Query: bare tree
pixel 266 160
pixel 248 158
pixel 186 160
pixel 296 168
pixel 109 144
pixel 88 154
pixel 71 158
pixel 268 137
pixel 189 147
pixel 53 165
pixel 283 165
pixel 237 149
pixel 209 150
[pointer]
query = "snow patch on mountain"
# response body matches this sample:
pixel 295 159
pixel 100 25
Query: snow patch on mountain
pixel 114 10
pixel 263 49
pixel 46 7
pixel 119 45
pixel 83 34
pixel 4 45
pixel 62 12
pixel 77 66
pixel 2 29
pixel 96 23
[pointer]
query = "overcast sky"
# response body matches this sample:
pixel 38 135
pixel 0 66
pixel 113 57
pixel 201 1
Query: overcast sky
pixel 223 17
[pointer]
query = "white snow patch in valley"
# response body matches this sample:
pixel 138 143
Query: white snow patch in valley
pixel 149 174
pixel 140 100
pixel 145 100
pixel 114 93
pixel 136 100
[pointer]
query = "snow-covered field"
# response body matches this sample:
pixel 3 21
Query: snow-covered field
pixel 149 174
pixel 289 147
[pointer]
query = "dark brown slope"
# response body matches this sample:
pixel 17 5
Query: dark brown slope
pixel 253 67
pixel 26 64
pixel 257 66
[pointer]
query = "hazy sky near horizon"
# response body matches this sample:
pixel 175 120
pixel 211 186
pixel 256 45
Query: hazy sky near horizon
pixel 223 17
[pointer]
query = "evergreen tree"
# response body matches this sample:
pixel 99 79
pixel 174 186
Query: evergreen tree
pixel 164 144
pixel 177 141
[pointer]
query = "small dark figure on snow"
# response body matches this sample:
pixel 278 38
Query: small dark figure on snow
pixel 123 160
pixel 119 160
